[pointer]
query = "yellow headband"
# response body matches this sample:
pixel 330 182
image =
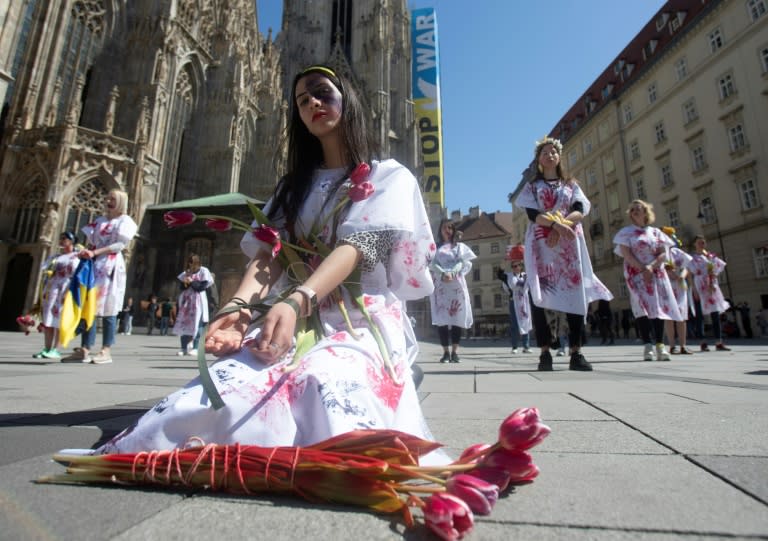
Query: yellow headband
pixel 325 70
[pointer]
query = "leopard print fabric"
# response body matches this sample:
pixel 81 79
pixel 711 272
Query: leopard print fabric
pixel 374 246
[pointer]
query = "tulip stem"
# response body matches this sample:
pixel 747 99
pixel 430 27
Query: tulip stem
pixel 424 489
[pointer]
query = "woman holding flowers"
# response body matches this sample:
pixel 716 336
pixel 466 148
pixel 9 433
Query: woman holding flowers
pixel 677 270
pixel 192 306
pixel 343 243
pixel 560 273
pixel 57 271
pixel 707 297
pixel 450 306
pixel 106 238
pixel 645 250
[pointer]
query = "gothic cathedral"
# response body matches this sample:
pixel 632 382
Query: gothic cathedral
pixel 172 101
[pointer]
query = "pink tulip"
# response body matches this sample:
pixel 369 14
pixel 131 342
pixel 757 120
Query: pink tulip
pixel 517 463
pixel 478 494
pixel 178 218
pixel 523 429
pixel 471 451
pixel 360 173
pixel 496 476
pixel 358 192
pixel 269 235
pixel 218 224
pixel 448 516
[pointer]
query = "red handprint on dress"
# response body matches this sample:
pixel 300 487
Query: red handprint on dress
pixel 454 307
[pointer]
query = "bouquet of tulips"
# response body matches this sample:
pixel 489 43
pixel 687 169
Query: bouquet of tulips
pixel 28 322
pixel 377 469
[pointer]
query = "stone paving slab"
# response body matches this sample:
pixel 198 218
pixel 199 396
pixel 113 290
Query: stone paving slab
pixel 649 451
pixel 636 492
pixel 31 511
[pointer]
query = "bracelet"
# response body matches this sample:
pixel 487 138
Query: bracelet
pixel 293 304
pixel 310 298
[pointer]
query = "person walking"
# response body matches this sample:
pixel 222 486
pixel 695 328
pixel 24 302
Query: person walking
pixel 106 238
pixel 57 272
pixel 192 306
pixel 605 321
pixel 560 273
pixel 746 322
pixel 166 309
pixel 515 285
pixel 645 250
pixel 370 216
pixel 152 310
pixel 127 317
pixel 450 306
pixel 707 297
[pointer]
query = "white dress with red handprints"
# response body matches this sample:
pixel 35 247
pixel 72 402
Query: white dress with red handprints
pixel 55 286
pixel 559 277
pixel 109 268
pixel 653 298
pixel 680 260
pixel 341 383
pixel 450 303
pixel 705 268
pixel 517 287
pixel 192 307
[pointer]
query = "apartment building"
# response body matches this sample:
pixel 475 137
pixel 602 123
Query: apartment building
pixel 678 120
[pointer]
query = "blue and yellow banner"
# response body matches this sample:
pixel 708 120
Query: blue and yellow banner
pixel 79 302
pixel 426 97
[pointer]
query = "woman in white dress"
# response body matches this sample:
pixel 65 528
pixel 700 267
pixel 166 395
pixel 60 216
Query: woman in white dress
pixel 192 306
pixel 677 269
pixel 450 305
pixel 560 275
pixel 373 243
pixel 515 284
pixel 106 238
pixel 645 250
pixel 707 296
pixel 57 272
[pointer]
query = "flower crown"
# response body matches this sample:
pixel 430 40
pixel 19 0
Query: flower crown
pixel 547 140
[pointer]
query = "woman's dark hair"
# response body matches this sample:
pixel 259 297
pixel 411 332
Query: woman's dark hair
pixel 305 153
pixel 456 237
pixel 69 235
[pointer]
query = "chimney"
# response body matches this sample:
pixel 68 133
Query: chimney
pixel 474 212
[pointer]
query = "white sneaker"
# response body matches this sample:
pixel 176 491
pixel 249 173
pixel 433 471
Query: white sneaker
pixel 526 350
pixel 181 353
pixel 661 353
pixel 192 353
pixel 648 352
pixel 514 351
pixel 561 352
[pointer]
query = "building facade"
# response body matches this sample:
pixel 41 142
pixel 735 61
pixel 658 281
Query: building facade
pixel 169 100
pixel 677 120
pixel 487 235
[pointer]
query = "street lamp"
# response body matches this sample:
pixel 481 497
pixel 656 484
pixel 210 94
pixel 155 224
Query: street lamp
pixel 707 218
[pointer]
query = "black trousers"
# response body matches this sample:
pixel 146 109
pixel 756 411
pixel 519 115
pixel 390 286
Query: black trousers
pixel 446 331
pixel 544 334
pixel 645 325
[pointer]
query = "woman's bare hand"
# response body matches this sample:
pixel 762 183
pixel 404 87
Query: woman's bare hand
pixel 277 331
pixel 225 334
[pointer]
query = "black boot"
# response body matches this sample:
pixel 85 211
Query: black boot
pixel 455 357
pixel 578 362
pixel 545 362
pixel 446 357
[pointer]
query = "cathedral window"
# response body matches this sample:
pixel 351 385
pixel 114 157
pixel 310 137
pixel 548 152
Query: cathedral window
pixel 26 227
pixel 86 205
pixel 82 42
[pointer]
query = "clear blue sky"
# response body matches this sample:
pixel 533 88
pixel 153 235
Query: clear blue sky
pixel 509 70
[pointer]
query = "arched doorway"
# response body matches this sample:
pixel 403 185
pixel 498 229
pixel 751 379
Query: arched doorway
pixel 15 290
